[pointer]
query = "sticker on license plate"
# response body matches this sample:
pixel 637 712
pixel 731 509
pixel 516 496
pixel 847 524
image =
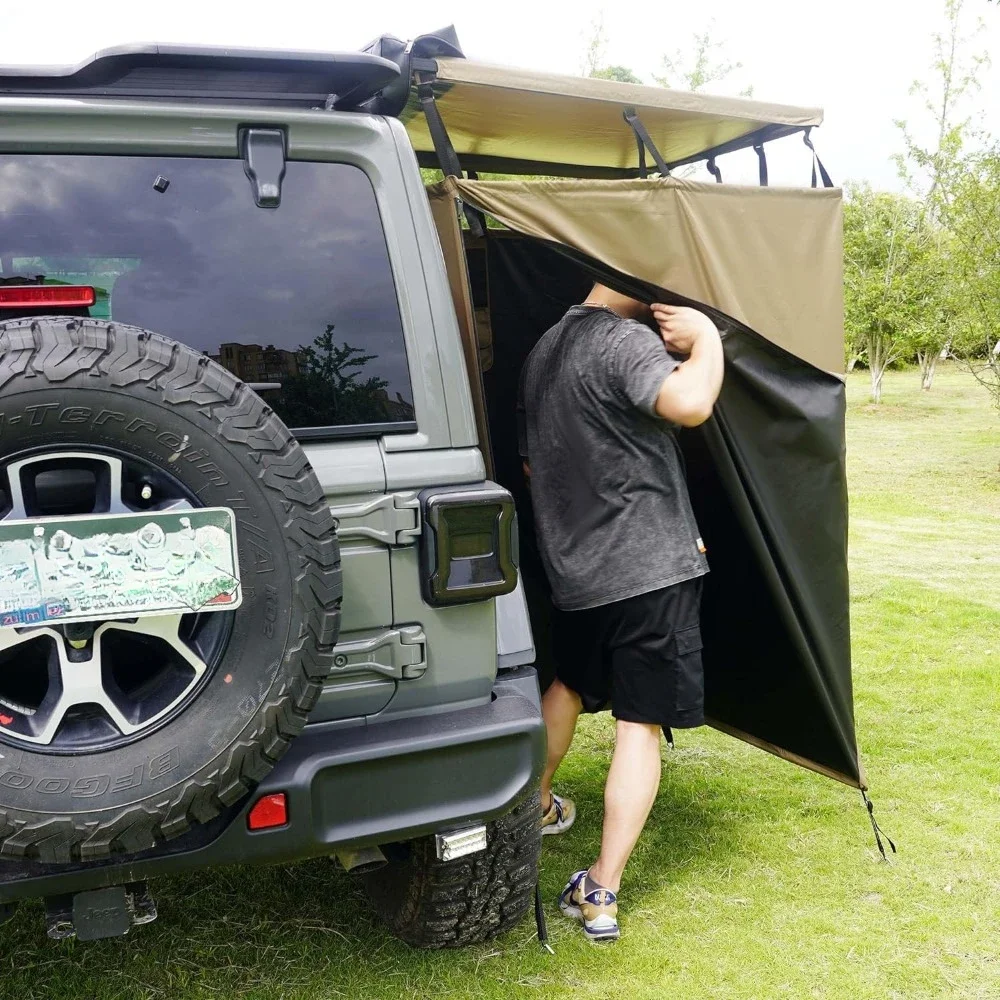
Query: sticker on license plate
pixel 98 566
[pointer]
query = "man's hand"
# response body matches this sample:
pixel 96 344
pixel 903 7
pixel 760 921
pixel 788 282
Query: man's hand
pixel 681 327
pixel 691 389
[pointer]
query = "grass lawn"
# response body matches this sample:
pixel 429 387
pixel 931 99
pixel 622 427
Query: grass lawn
pixel 755 879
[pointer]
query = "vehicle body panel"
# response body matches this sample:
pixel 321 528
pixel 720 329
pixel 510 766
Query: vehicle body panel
pixel 352 472
pixel 385 757
pixel 348 783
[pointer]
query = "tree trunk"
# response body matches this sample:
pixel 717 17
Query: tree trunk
pixel 928 363
pixel 877 374
pixel 851 362
pixel 878 361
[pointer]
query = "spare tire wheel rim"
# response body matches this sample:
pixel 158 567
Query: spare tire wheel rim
pixel 86 686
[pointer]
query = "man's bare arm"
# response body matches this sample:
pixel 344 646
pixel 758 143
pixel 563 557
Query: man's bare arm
pixel 689 392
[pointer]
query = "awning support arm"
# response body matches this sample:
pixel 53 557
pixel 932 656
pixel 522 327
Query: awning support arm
pixel 817 162
pixel 758 148
pixel 445 151
pixel 713 169
pixel 644 141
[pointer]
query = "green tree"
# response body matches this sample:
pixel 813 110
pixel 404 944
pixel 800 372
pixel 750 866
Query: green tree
pixel 329 387
pixel 595 56
pixel 704 62
pixel 957 181
pixel 596 47
pixel 854 347
pixel 936 327
pixel 972 214
pixel 929 169
pixel 700 65
pixel 621 74
pixel 958 174
pixel 894 278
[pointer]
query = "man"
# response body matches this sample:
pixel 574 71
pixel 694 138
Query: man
pixel 601 402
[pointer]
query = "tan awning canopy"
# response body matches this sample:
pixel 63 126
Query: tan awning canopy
pixel 521 121
pixel 771 258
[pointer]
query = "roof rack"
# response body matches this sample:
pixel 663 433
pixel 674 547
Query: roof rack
pixel 330 80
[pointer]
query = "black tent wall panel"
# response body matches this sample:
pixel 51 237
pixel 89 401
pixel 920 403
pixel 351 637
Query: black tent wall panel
pixel 768 484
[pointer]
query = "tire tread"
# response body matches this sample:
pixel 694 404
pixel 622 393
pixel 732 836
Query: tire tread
pixel 56 349
pixel 430 903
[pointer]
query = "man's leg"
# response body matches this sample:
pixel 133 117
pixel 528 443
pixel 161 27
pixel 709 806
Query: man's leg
pixel 633 781
pixel 561 708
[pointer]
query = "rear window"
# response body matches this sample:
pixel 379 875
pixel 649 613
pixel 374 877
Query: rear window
pixel 298 301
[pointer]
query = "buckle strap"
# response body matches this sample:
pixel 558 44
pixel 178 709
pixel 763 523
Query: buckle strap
pixel 643 139
pixel 817 162
pixel 762 163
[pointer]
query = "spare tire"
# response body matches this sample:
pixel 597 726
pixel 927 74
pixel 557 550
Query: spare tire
pixel 183 714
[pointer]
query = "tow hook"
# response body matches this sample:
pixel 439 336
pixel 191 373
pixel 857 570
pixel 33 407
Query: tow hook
pixel 99 913
pixel 359 860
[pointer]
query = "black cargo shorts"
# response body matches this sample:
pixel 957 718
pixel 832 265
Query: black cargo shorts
pixel 641 656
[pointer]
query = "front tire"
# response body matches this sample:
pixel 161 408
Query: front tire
pixel 430 903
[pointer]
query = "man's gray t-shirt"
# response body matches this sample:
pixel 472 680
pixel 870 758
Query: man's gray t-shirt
pixel 610 501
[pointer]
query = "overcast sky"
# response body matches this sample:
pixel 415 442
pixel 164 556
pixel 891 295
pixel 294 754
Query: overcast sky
pixel 855 58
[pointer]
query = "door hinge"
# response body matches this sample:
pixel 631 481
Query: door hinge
pixel 399 653
pixel 392 519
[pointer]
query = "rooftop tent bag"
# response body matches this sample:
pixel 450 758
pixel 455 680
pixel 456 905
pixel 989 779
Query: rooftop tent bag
pixel 767 472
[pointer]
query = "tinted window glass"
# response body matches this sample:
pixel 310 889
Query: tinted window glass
pixel 299 299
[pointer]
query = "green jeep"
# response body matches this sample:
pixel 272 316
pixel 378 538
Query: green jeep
pixel 261 599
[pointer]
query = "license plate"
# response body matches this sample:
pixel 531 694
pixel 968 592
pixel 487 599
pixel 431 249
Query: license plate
pixel 97 566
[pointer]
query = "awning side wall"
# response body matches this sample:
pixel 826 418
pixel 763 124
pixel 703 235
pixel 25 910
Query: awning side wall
pixel 768 486
pixel 444 211
pixel 767 474
pixel 771 258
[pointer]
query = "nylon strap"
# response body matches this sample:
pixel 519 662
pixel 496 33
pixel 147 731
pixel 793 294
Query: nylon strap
pixel 642 136
pixel 445 151
pixel 713 169
pixel 762 163
pixel 817 162
pixel 870 806
pixel 446 154
pixel 540 926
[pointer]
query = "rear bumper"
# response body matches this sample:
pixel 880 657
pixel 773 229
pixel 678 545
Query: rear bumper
pixel 384 782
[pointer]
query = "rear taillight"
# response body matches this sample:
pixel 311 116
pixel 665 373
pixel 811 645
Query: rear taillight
pixel 43 296
pixel 469 544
